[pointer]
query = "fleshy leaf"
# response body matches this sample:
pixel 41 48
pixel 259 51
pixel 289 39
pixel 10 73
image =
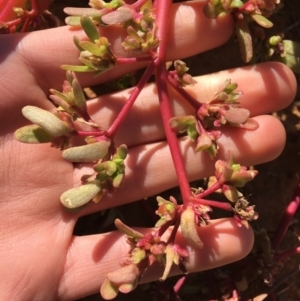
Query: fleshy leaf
pixel 237 115
pixel 236 4
pixel 124 275
pixel 78 94
pixel 89 28
pixel 122 151
pixel 188 228
pixel 108 290
pixel 292 55
pixel 250 124
pixel 92 48
pixel 73 21
pixel 118 180
pixel 261 20
pixel 79 196
pixel 32 134
pixel 245 41
pixel 231 193
pixel 48 121
pixel 87 153
pixel 118 16
pixel 76 42
pixel 78 11
pixel 77 68
pixel 127 230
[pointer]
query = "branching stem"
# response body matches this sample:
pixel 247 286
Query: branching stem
pixel 161 76
pixel 185 95
pixel 133 96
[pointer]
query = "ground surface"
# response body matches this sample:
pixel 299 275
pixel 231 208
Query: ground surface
pixel 270 191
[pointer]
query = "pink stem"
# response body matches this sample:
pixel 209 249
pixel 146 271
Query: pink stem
pixel 89 133
pixel 209 190
pixel 132 60
pixel 161 76
pixel 179 284
pixel 35 6
pixel 190 99
pixel 287 253
pixel 14 22
pixel 130 101
pixel 286 219
pixel 211 203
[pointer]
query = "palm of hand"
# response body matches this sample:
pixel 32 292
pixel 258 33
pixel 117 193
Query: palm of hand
pixel 40 258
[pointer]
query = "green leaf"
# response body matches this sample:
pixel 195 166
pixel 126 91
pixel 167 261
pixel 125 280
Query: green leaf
pixel 108 290
pixel 261 20
pixel 122 151
pixel 60 95
pixel 110 167
pixel 32 134
pixel 118 16
pixel 189 228
pixel 48 121
pixel 236 4
pixel 92 48
pixel 245 41
pixel 127 230
pixel 89 28
pixel 118 180
pixel 237 115
pixel 77 43
pixel 73 21
pixel 80 11
pixel 79 196
pixel 80 100
pixel 87 153
pixel 292 56
pixel 88 63
pixel 77 68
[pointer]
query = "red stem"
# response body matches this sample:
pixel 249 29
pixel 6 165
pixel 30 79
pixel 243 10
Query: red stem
pixel 190 99
pixel 286 219
pixel 179 284
pixel 88 133
pixel 14 22
pixel 211 203
pixel 130 101
pixel 161 76
pixel 287 253
pixel 131 60
pixel 211 189
pixel 36 7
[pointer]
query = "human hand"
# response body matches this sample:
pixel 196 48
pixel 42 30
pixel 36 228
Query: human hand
pixel 40 258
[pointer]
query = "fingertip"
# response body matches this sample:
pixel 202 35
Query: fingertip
pixel 224 242
pixel 272 83
pixel 194 32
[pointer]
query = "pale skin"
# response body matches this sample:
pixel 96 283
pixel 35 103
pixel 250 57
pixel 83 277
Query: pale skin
pixel 40 259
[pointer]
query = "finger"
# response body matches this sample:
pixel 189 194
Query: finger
pixel 150 170
pixel 266 88
pixel 46 51
pixel 91 257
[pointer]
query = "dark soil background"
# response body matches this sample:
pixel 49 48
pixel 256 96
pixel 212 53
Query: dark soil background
pixel 270 191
